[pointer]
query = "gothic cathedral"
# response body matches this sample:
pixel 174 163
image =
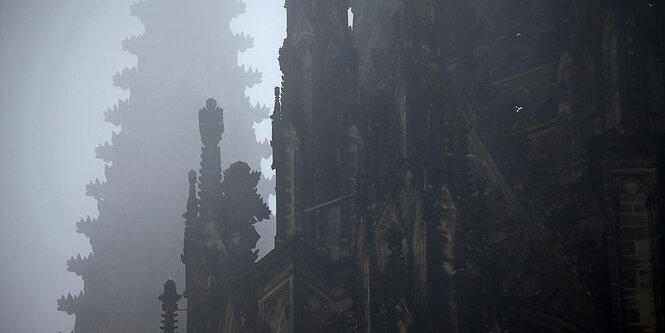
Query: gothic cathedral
pixel 445 166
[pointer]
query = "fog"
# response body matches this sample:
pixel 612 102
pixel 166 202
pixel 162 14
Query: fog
pixel 57 63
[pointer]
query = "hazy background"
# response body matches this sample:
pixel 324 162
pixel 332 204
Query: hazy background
pixel 57 58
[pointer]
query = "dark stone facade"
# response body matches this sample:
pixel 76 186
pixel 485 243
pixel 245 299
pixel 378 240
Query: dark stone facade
pixel 457 166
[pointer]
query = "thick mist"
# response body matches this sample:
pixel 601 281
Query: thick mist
pixel 57 63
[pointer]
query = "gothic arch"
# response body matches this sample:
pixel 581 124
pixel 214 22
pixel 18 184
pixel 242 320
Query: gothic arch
pixel 305 36
pixel 388 226
pixel 274 308
pixel 388 234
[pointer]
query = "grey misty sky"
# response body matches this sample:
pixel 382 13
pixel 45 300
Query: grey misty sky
pixel 57 59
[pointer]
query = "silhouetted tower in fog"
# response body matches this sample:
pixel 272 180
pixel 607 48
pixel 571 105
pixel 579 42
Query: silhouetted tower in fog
pixel 219 232
pixel 187 53
pixel 169 299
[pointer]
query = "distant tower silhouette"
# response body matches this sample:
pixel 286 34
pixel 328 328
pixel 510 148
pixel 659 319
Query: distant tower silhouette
pixel 187 53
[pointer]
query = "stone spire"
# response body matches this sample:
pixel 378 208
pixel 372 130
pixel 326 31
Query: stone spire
pixel 169 299
pixel 211 127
